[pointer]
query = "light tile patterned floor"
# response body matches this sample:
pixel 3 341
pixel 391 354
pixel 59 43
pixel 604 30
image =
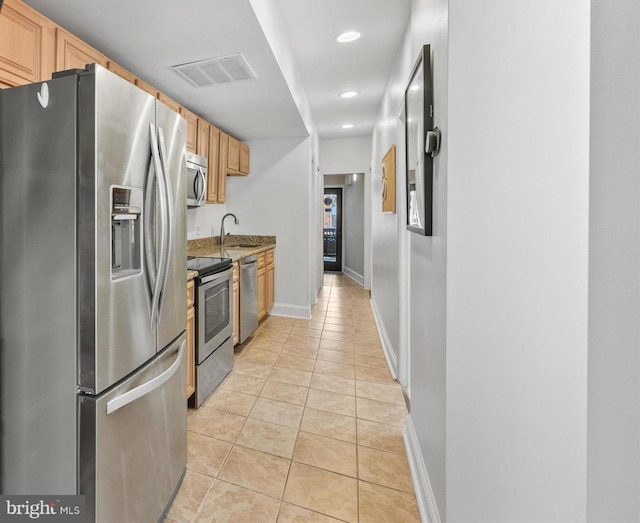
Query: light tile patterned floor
pixel 306 428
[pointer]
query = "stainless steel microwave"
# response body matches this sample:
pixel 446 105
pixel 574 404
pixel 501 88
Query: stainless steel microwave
pixel 196 180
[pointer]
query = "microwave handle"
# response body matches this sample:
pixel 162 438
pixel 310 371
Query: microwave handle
pixel 204 188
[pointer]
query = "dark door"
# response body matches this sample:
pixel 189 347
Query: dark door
pixel 333 230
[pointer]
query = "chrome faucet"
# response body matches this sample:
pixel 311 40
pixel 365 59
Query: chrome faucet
pixel 222 227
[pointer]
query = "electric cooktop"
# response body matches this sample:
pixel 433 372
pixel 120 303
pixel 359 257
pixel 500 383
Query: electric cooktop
pixel 206 265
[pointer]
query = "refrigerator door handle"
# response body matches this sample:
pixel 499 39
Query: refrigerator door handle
pixel 144 389
pixel 150 255
pixel 162 204
pixel 168 230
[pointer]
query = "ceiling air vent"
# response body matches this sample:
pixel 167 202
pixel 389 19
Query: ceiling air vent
pixel 213 71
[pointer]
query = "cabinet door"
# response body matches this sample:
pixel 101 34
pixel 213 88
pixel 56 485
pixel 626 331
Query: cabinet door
pixel 222 167
pixel 191 353
pixel 169 102
pixel 262 293
pixel 233 160
pixel 121 71
pixel 27 45
pixel 202 145
pixel 147 88
pixel 236 312
pixel 191 294
pixel 244 158
pixel 192 129
pixel 270 286
pixel 214 165
pixel 74 53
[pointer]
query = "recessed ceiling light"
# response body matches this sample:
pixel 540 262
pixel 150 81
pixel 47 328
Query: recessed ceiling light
pixel 349 94
pixel 347 125
pixel 349 36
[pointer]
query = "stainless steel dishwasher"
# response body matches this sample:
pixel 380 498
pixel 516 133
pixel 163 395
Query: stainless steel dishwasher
pixel 248 296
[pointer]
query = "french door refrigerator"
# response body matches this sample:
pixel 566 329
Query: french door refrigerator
pixel 92 294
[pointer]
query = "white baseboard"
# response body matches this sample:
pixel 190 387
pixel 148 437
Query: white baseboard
pixel 291 311
pixel 387 348
pixel 421 484
pixel 358 278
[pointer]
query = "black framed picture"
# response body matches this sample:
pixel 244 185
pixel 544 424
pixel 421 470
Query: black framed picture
pixel 418 101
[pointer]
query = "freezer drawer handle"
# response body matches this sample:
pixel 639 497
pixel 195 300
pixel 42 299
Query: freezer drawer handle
pixel 146 388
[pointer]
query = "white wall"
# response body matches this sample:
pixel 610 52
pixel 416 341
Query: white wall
pixel 353 215
pixel 352 155
pixel 409 271
pixel 354 227
pixel 614 258
pixel 517 260
pixel 497 305
pixel 273 200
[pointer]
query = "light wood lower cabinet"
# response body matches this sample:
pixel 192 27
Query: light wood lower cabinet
pixel 270 280
pixel 191 340
pixel 236 303
pixel 262 286
pixel 266 282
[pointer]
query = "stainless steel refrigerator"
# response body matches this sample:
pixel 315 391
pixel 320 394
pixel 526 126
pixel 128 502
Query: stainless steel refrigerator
pixel 92 294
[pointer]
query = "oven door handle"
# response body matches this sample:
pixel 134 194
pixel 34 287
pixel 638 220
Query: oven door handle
pixel 142 390
pixel 226 274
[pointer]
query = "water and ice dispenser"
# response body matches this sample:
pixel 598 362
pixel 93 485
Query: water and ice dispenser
pixel 126 231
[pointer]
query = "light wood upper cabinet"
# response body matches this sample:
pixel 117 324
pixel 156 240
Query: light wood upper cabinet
pixel 202 143
pixel 244 158
pixel 222 163
pixel 192 129
pixel 27 45
pixel 73 53
pixel 237 156
pixel 121 71
pixel 213 174
pixel 169 102
pixel 233 160
pixel 147 88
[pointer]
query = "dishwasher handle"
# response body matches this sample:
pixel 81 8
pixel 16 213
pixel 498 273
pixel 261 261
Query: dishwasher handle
pixel 249 260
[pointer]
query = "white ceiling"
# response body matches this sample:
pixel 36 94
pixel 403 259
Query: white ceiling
pixel 149 36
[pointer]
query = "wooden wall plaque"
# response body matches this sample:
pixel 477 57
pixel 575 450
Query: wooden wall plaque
pixel 389 181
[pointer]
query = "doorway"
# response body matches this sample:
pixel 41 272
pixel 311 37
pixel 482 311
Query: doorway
pixel 332 227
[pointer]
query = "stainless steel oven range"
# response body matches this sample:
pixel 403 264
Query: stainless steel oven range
pixel 214 323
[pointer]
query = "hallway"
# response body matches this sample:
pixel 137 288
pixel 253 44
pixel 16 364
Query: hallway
pixel 307 427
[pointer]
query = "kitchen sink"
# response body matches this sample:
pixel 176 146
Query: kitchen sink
pixel 245 245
